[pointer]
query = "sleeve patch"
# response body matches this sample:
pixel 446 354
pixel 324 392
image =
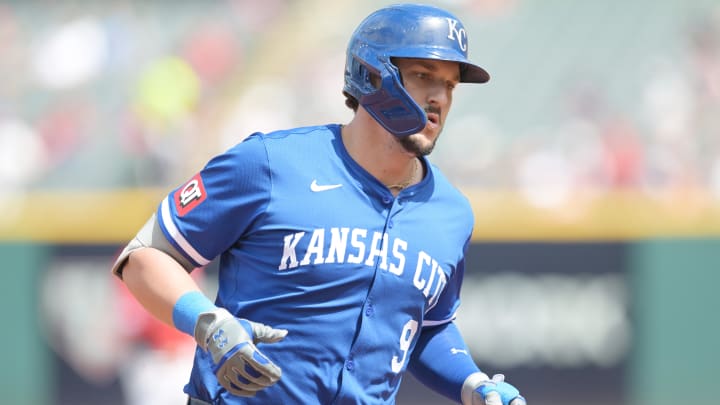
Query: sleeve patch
pixel 189 195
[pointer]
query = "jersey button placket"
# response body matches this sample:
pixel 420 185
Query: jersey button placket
pixel 396 208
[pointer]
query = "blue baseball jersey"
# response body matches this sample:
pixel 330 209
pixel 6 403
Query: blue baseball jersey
pixel 310 242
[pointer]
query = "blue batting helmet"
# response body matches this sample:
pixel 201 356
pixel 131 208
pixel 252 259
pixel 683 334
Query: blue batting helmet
pixel 403 31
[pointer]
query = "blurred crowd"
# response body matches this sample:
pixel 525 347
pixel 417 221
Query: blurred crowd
pixel 123 94
pixel 117 93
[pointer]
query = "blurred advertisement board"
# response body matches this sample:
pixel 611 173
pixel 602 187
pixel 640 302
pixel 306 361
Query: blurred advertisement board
pixel 553 317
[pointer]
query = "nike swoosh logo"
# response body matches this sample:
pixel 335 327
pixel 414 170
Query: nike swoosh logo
pixel 456 351
pixel 324 187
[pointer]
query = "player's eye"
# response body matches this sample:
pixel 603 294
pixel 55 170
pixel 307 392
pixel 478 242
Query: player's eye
pixel 422 76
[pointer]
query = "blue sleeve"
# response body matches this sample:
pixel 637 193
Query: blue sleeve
pixel 212 210
pixel 442 361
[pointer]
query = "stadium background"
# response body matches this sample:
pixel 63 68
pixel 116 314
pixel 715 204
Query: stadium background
pixel 592 159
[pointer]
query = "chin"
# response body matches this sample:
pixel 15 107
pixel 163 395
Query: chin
pixel 420 144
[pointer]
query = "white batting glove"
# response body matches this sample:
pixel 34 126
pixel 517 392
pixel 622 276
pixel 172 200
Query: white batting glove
pixel 479 389
pixel 239 366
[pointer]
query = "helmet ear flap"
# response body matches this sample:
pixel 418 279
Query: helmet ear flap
pixel 362 75
pixel 392 106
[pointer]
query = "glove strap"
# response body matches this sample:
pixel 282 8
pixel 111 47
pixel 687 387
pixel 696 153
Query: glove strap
pixel 206 323
pixel 472 381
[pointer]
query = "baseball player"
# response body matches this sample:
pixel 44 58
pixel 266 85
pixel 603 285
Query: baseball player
pixel 341 247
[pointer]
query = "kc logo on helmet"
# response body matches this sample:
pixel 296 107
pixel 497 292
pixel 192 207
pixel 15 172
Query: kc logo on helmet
pixel 455 34
pixel 190 195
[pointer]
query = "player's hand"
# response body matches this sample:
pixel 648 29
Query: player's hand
pixel 239 366
pixel 481 390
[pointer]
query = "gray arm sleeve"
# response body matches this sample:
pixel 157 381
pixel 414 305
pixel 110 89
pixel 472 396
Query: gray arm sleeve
pixel 150 235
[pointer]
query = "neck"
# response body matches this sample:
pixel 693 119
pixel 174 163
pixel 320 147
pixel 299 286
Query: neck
pixel 411 179
pixel 380 154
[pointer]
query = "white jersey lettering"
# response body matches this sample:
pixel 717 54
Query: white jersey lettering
pixel 423 258
pixel 338 245
pixel 399 247
pixel 434 270
pixel 378 239
pixel 290 243
pixel 372 251
pixel 315 247
pixel 357 243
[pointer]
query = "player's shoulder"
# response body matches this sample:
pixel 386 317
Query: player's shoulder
pixel 445 190
pixel 300 133
pixel 284 145
pixel 304 138
pixel 443 184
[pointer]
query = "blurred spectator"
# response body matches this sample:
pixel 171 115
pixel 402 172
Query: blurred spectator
pixel 18 169
pixel 622 155
pixel 138 88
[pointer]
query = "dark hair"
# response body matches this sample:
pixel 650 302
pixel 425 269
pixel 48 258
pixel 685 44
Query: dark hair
pixel 350 101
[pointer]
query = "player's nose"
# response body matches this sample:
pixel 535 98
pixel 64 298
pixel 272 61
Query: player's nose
pixel 439 95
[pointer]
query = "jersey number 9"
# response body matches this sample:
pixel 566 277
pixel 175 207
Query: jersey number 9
pixel 406 337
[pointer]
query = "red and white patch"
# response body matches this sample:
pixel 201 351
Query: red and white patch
pixel 190 195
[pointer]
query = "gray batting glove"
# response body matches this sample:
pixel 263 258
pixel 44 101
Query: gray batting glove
pixel 479 389
pixel 239 366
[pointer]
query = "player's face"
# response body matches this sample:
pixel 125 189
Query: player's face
pixel 431 84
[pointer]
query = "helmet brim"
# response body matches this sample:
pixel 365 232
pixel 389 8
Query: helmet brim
pixel 471 73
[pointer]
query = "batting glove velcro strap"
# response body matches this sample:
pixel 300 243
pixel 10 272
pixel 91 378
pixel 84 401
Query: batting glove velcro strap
pixel 479 389
pixel 238 364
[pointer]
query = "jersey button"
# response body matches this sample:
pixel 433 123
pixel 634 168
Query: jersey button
pixel 369 311
pixel 350 365
pixel 387 199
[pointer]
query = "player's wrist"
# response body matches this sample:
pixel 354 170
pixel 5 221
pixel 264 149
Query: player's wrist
pixel 187 311
pixel 210 322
